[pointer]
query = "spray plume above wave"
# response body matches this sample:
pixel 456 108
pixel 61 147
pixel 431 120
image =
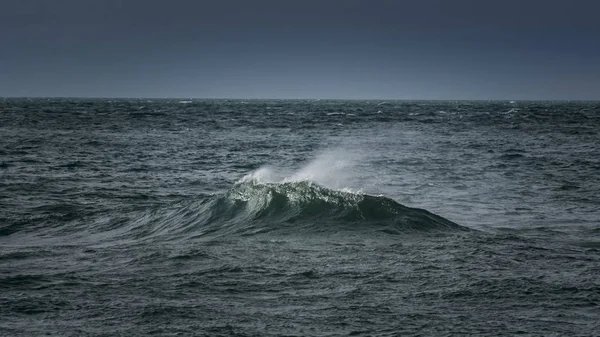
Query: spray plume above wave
pixel 333 169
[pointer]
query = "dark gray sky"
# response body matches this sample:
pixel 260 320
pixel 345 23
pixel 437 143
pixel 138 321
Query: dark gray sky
pixel 414 49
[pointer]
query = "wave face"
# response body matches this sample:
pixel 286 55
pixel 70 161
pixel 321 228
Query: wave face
pixel 252 207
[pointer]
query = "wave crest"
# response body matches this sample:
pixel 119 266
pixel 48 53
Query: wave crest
pixel 309 205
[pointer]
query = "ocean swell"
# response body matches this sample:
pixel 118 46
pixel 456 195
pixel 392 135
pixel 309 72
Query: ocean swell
pixel 303 206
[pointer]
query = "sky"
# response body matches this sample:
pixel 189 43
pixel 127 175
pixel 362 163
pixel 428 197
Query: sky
pixel 343 49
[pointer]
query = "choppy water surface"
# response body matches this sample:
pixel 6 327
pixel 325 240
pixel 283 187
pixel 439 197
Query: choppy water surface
pixel 299 218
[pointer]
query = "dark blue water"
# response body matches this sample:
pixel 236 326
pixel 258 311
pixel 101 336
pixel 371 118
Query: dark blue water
pixel 299 218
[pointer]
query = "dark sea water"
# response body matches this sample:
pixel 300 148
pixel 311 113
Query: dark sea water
pixel 299 218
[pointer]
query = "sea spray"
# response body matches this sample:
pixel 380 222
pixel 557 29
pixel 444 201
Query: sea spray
pixel 335 168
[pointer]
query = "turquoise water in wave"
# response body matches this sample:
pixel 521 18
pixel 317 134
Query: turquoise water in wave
pixel 299 218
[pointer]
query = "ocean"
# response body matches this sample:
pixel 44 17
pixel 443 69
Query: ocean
pixel 136 217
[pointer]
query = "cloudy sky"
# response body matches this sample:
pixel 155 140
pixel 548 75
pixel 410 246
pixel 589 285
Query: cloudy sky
pixel 357 49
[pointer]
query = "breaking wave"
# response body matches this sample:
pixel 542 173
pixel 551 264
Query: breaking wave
pixel 308 203
pixel 250 208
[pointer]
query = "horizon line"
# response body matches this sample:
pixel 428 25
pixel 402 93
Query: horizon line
pixel 297 99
